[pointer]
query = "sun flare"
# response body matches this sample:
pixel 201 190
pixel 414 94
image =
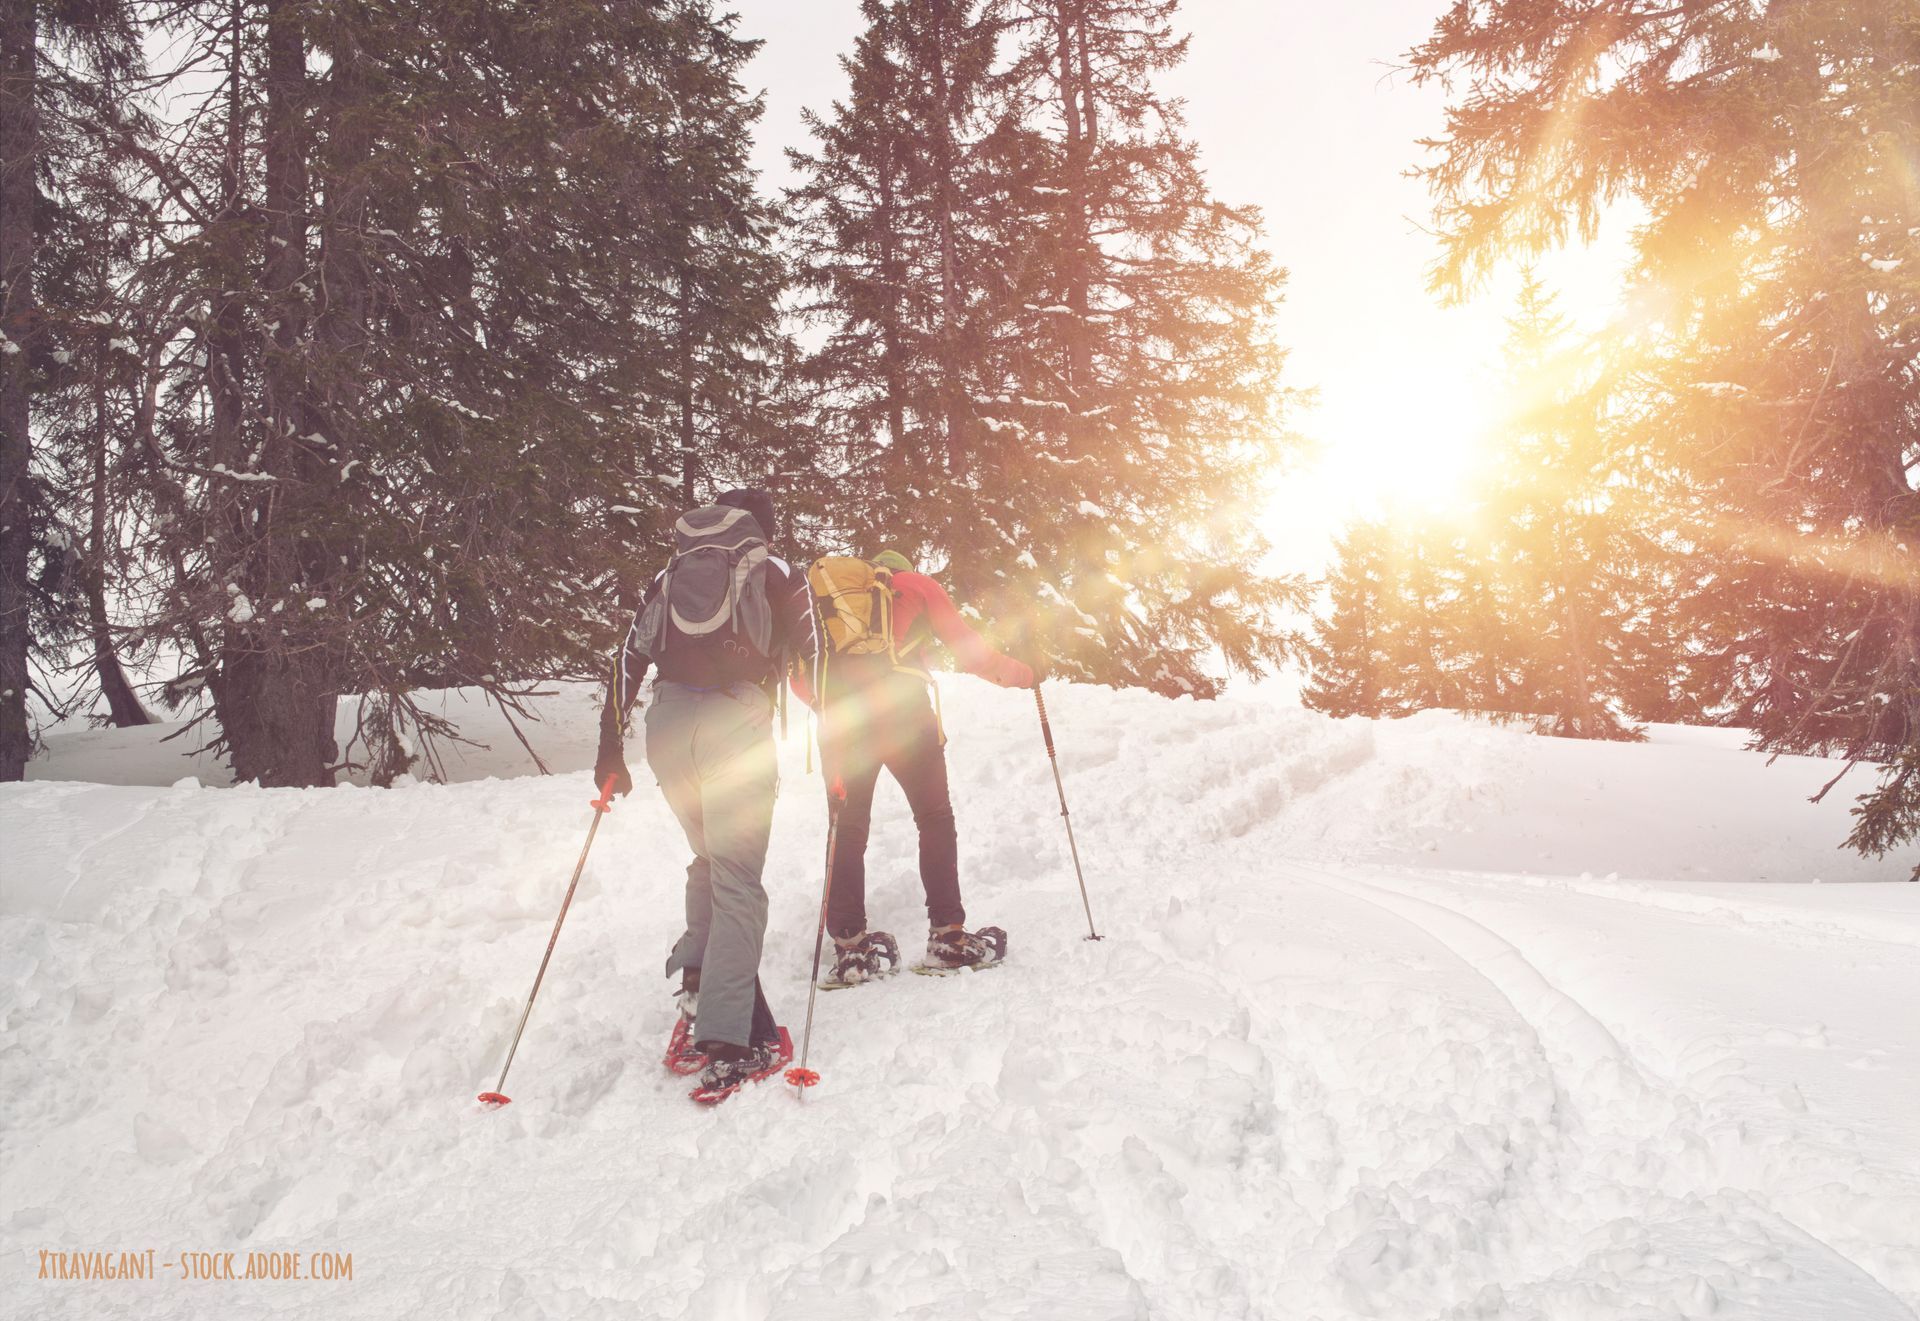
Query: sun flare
pixel 1410 447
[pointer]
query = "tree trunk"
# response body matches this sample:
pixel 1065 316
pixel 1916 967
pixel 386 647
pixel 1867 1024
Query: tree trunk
pixel 1578 712
pixel 952 388
pixel 225 345
pixel 689 453
pixel 19 150
pixel 1076 108
pixel 279 730
pixel 276 692
pixel 123 706
pixel 1366 671
pixel 892 280
pixel 286 206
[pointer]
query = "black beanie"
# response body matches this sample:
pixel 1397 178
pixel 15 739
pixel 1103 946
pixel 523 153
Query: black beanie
pixel 755 502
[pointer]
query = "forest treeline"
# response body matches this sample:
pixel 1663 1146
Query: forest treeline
pixel 354 351
pixel 1710 512
pixel 370 349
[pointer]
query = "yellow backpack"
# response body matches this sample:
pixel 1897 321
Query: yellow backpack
pixel 855 604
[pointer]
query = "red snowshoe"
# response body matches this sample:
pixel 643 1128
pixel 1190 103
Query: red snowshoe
pixel 721 1078
pixel 683 1057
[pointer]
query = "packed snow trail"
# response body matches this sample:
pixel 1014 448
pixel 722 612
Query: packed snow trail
pixel 1300 1078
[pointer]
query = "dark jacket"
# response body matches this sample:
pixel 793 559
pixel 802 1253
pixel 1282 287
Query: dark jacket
pixel 717 661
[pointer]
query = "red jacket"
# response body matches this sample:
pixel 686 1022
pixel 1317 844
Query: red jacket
pixel 918 598
pixel 923 604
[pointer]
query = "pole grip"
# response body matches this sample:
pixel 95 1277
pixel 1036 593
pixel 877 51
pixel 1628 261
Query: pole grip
pixel 604 803
pixel 1046 728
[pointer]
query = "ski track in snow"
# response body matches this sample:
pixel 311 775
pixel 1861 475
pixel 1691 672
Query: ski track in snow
pixel 1290 1083
pixel 1758 1176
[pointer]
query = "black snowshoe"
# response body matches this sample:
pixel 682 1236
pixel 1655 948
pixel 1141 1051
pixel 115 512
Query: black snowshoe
pixel 862 958
pixel 952 949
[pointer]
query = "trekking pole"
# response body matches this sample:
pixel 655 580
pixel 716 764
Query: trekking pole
pixel 800 1075
pixel 601 806
pixel 1046 732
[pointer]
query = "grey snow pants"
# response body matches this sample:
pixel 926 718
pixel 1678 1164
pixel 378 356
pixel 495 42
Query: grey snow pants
pixel 712 752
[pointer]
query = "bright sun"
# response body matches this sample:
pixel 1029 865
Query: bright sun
pixel 1409 446
pixel 1407 451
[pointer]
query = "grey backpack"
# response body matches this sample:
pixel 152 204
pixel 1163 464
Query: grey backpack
pixel 715 586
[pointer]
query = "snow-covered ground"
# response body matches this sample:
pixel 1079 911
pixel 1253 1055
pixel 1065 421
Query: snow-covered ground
pixel 1417 1020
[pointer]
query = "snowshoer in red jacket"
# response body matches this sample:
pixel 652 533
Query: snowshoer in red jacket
pixel 878 712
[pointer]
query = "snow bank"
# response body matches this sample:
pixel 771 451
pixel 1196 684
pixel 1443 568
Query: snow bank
pixel 1435 790
pixel 1352 1046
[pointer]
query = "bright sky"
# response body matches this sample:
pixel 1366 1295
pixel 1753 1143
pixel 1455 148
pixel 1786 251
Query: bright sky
pixel 1297 110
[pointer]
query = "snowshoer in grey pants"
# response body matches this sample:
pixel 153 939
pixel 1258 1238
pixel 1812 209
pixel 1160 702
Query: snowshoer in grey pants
pixel 721 624
pixel 712 752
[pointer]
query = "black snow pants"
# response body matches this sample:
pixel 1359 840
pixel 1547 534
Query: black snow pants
pixel 878 718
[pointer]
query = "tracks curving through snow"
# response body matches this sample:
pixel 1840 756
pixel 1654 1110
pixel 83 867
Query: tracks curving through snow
pixel 1276 1091
pixel 1672 1141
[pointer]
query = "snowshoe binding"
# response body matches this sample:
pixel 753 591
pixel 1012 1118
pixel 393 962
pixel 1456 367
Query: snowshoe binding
pixel 683 1057
pixel 726 1072
pixel 862 958
pixel 953 949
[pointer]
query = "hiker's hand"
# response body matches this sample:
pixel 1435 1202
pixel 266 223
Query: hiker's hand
pixel 1041 667
pixel 615 765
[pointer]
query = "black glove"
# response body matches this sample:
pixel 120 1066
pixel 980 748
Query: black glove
pixel 611 762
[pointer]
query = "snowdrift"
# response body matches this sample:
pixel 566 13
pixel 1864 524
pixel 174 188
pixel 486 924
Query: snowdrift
pixel 1420 1019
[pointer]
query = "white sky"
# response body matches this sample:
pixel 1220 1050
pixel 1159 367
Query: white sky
pixel 1296 110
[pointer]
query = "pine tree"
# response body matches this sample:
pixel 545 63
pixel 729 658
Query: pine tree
pixel 895 262
pixel 1138 403
pixel 1047 355
pixel 1425 669
pixel 1770 146
pixel 719 268
pixel 1551 532
pixel 427 345
pixel 63 63
pixel 1534 604
pixel 1490 663
pixel 19 165
pixel 1347 659
pixel 90 227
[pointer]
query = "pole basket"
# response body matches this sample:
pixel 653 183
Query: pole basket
pixel 800 1075
pixel 494 1099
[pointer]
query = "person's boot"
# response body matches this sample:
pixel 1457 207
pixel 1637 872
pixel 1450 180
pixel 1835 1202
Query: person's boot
pixel 730 1067
pixel 862 958
pixel 953 947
